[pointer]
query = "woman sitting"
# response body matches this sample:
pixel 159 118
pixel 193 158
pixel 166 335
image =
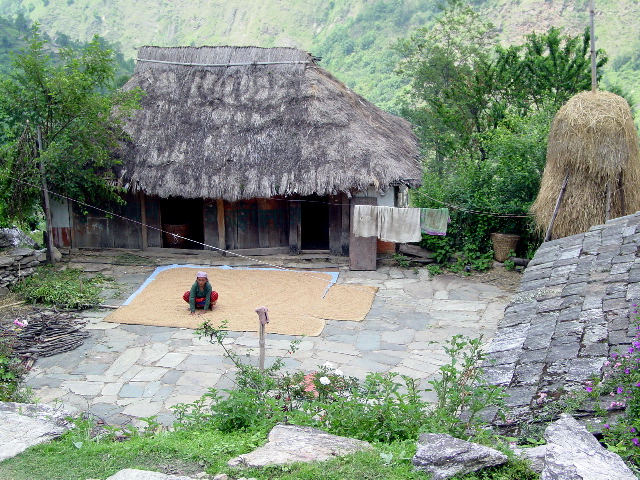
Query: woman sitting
pixel 201 294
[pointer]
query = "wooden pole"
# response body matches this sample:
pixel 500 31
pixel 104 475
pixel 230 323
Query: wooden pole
pixel 594 84
pixel 47 209
pixel 547 237
pixel 262 348
pixel 607 210
pixel 623 205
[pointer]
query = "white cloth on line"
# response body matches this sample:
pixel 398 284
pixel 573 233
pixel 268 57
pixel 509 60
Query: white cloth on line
pixel 365 221
pixel 391 224
pixel 399 225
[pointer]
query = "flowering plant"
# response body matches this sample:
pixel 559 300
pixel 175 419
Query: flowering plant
pixel 621 384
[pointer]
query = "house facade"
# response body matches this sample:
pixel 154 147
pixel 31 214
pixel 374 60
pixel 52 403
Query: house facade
pixel 246 149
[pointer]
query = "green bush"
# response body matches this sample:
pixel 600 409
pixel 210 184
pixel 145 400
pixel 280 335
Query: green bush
pixel 12 371
pixel 382 408
pixel 61 287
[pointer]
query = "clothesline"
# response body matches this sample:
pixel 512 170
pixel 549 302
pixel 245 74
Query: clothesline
pixel 476 212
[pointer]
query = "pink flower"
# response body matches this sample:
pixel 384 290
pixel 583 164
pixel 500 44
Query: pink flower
pixel 20 324
pixel 588 389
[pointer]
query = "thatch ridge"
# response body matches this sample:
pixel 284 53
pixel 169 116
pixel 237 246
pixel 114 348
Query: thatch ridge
pixel 592 138
pixel 255 131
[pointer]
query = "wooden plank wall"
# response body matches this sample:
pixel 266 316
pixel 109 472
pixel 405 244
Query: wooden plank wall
pixel 210 214
pixel 256 223
pixel 152 207
pixel 295 219
pixel 97 230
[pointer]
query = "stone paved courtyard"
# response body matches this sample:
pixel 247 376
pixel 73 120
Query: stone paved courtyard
pixel 124 372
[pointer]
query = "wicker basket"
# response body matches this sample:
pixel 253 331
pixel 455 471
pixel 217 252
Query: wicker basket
pixel 503 243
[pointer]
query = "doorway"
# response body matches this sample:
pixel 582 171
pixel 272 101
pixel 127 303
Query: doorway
pixel 182 223
pixel 314 223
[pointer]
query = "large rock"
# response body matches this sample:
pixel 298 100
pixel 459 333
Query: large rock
pixel 444 456
pixel 291 443
pixel 132 474
pixel 14 237
pixel 24 425
pixel 574 454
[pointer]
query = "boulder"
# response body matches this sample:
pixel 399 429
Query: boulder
pixel 292 443
pixel 444 456
pixel 14 237
pixel 25 425
pixel 573 453
pixel 133 474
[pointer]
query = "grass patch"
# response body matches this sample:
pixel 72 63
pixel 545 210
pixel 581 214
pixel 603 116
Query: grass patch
pixel 190 451
pixel 62 287
pixel 75 456
pixel 133 259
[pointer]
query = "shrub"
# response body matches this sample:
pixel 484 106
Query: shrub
pixel 383 408
pixel 66 288
pixel 12 370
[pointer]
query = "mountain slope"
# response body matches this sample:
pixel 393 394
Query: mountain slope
pixel 352 36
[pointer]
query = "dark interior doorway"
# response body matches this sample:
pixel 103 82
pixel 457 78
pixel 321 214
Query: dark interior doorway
pixel 314 223
pixel 182 217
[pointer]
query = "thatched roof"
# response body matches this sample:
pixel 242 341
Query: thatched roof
pixel 249 122
pixel 593 138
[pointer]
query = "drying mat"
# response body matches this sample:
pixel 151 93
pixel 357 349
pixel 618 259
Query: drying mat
pixel 298 302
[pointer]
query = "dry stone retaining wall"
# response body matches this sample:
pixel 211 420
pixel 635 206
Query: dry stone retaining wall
pixel 18 263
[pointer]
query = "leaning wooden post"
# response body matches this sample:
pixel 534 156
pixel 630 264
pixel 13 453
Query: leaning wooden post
pixel 263 318
pixel 623 205
pixel 547 237
pixel 47 208
pixel 607 208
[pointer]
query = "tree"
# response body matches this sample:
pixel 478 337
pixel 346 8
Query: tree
pixel 62 122
pixel 558 66
pixel 441 62
pixel 477 107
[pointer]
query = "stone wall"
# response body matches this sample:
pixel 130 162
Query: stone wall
pixel 17 263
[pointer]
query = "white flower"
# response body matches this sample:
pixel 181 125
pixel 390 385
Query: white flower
pixel 328 365
pixel 338 372
pixel 325 381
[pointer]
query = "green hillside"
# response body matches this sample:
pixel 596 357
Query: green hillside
pixel 352 36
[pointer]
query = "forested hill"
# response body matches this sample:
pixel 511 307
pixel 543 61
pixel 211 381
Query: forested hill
pixel 352 36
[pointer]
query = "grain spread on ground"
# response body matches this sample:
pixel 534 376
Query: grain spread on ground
pixel 298 302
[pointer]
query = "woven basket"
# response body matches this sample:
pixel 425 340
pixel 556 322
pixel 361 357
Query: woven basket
pixel 503 243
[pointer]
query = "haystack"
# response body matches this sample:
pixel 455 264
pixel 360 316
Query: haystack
pixel 593 143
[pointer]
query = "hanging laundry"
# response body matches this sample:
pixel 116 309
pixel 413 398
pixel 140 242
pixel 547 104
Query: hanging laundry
pixel 365 221
pixel 434 221
pixel 391 224
pixel 399 225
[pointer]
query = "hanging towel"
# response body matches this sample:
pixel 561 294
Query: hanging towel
pixel 365 221
pixel 434 221
pixel 399 225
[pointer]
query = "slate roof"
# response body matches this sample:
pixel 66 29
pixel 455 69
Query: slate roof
pixel 575 306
